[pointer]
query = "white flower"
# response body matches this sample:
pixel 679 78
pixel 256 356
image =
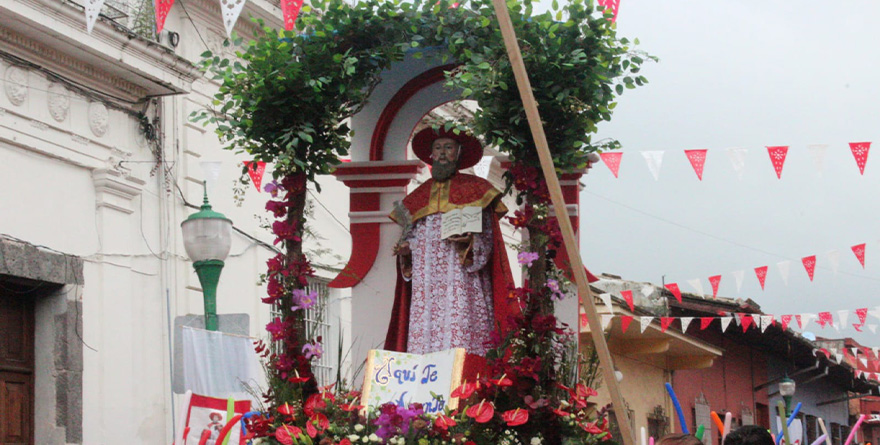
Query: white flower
pixel 365 439
pixel 358 427
pixel 353 437
pixel 535 441
pixel 374 438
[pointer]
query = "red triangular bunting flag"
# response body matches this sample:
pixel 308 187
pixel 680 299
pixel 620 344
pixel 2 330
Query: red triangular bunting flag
pixel 584 321
pixel 858 327
pixel 628 296
pixel 859 250
pixel 785 320
pixel 810 265
pixel 862 314
pixel 825 318
pixel 761 272
pixel 664 323
pixel 705 322
pixel 625 320
pixel 715 281
pixel 613 4
pixel 162 8
pixel 825 351
pixel 256 169
pixel 777 157
pixel 612 160
pixel 860 152
pixel 673 287
pixel 698 161
pixel 798 318
pixel 746 320
pixel 290 10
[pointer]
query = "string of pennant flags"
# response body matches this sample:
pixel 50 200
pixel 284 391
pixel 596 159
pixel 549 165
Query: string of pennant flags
pixel 784 267
pixel 737 156
pixel 231 9
pixel 745 321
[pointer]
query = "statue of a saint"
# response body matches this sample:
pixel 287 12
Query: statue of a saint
pixel 452 291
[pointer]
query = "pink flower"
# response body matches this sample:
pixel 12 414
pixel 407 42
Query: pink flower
pixel 555 293
pixel 271 188
pixel 302 300
pixel 312 350
pixel 527 258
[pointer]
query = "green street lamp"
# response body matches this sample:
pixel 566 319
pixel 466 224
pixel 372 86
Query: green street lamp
pixel 786 390
pixel 207 237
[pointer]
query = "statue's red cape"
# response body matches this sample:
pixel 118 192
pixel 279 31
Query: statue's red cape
pixel 463 191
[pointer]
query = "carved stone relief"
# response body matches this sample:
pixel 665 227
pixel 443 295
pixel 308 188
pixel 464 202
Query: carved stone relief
pixel 98 118
pixel 59 101
pixel 16 85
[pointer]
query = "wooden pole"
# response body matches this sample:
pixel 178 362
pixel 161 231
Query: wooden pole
pixel 580 276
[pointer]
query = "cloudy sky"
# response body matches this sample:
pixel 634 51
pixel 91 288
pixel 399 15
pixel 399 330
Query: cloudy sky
pixel 749 74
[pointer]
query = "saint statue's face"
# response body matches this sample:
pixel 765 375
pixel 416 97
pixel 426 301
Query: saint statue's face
pixel 445 150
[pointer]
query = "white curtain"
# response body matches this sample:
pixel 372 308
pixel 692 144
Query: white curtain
pixel 219 365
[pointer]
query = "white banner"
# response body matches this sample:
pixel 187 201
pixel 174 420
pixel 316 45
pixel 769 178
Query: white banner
pixel 606 298
pixel 725 322
pixel 645 322
pixel 817 151
pixel 654 159
pixel 231 10
pixel 766 320
pixel 784 269
pixel 843 316
pixel 739 275
pixel 93 9
pixel 697 285
pixel 685 322
pixel 737 157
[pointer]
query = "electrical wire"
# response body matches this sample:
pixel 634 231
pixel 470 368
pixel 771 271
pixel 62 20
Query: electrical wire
pixel 182 5
pixel 715 237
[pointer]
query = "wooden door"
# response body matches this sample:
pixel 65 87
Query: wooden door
pixel 16 365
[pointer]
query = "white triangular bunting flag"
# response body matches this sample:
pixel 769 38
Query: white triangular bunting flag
pixel 854 352
pixel 739 275
pixel 483 167
pixel 843 316
pixel 655 161
pixel 834 259
pixel 818 153
pixel 645 322
pixel 685 321
pixel 784 269
pixel 697 285
pixel 606 321
pixel 864 362
pixel 725 322
pixel 738 317
pixel 738 160
pixel 766 321
pixel 838 357
pixel 606 298
pixel 93 9
pixel 875 349
pixel 806 319
pixel 231 9
pixel 647 290
pixel 835 326
pixel 875 313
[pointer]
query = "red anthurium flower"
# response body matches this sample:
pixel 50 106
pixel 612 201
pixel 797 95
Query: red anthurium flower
pixel 585 391
pixel 349 407
pixel 502 381
pixel 444 422
pixel 313 403
pixel 515 417
pixel 591 428
pixel 286 433
pixel 465 390
pixel 317 424
pixel 344 442
pixel 286 409
pixel 481 412
pixel 561 413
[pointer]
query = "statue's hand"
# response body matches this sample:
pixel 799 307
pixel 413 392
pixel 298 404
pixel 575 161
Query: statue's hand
pixel 464 245
pixel 462 239
pixel 402 248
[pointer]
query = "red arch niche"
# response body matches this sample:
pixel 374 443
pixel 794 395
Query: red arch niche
pixel 406 92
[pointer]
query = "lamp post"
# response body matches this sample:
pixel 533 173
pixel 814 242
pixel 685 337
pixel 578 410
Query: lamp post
pixel 786 390
pixel 207 237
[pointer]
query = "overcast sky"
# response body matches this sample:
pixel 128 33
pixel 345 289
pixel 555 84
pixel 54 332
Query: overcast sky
pixel 748 74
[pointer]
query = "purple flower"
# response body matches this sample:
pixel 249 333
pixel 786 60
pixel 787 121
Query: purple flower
pixel 312 350
pixel 556 293
pixel 271 188
pixel 527 258
pixel 395 420
pixel 302 300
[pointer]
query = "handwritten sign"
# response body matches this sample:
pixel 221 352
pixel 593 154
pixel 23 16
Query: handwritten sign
pixel 403 379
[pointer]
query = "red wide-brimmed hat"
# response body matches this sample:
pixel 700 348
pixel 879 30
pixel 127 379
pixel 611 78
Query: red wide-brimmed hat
pixel 471 149
pixel 215 416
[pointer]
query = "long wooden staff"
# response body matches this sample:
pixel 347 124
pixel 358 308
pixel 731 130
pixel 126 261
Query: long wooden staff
pixel 580 276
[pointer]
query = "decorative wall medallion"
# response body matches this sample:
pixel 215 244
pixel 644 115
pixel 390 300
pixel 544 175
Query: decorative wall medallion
pixel 16 85
pixel 98 118
pixel 59 101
